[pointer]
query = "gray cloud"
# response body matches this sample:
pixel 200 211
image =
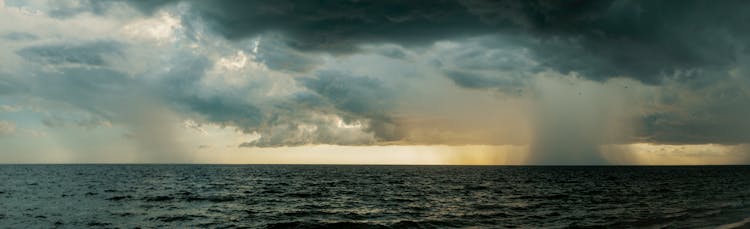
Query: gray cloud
pixel 599 39
pixel 90 122
pixel 335 100
pixel 10 85
pixel 508 83
pixel 604 39
pixel 277 55
pixel 88 93
pixel 90 53
pixel 712 114
pixel 19 36
pixel 336 26
pixel 360 97
pixel 688 49
pixel 393 52
pixel 339 26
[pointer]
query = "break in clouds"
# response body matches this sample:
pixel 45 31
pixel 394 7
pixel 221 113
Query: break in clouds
pixel 563 77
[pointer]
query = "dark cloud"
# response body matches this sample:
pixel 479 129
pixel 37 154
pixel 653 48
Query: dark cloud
pixel 392 52
pixel 670 128
pixel 718 116
pixel 80 77
pixel 277 55
pixel 352 94
pixel 146 6
pixel 647 40
pixel 340 26
pixel 695 43
pixel 503 82
pixel 298 119
pixel 358 97
pixel 597 39
pixel 337 26
pixel 180 85
pixel 226 112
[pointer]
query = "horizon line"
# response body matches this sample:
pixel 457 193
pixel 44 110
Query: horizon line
pixel 375 164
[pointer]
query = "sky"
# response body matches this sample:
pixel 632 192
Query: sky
pixel 375 82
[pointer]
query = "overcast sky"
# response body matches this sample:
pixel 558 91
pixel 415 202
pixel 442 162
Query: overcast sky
pixel 421 82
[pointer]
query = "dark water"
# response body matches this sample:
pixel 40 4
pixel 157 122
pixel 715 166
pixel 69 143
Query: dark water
pixel 296 196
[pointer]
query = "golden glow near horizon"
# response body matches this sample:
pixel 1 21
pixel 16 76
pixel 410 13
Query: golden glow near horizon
pixel 195 143
pixel 696 154
pixel 395 154
pixel 214 144
pixel 632 154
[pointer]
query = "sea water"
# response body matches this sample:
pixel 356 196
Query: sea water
pixel 358 196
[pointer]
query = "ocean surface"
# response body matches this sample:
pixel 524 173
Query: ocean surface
pixel 314 196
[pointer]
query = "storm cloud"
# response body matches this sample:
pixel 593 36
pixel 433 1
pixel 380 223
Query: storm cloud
pixel 598 39
pixel 558 76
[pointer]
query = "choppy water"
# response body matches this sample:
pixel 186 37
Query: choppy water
pixel 308 196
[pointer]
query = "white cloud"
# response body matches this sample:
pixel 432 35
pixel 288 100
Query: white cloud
pixel 162 29
pixel 235 62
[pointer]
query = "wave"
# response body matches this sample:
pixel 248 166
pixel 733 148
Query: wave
pixel 744 223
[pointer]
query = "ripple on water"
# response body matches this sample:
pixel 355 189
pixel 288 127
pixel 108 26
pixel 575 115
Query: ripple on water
pixel 268 196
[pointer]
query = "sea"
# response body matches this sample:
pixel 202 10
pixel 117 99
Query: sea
pixel 373 196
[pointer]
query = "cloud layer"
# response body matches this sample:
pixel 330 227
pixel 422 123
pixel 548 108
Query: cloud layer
pixel 564 77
